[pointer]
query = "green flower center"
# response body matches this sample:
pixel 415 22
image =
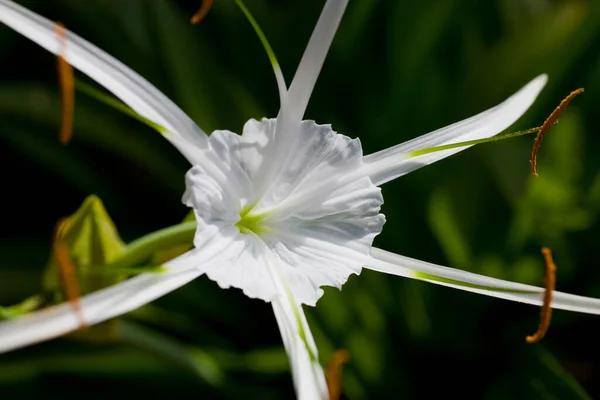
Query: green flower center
pixel 251 223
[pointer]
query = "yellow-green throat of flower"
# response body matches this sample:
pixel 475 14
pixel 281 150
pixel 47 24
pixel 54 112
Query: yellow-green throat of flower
pixel 251 223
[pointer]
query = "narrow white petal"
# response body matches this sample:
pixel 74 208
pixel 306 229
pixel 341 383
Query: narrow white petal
pixel 128 86
pixel 314 57
pixel 103 304
pixel 295 101
pixel 390 263
pixel 391 163
pixel 309 378
pixel 308 375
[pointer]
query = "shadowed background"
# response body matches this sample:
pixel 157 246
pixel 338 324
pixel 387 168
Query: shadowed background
pixel 396 70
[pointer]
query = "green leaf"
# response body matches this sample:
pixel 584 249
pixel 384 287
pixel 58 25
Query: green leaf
pixel 561 30
pixel 553 378
pixel 447 230
pixel 198 362
pixel 92 126
pixel 48 153
pixel 537 374
pixel 266 360
pixel 202 87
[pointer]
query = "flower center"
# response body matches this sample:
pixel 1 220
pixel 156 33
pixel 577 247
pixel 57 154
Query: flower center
pixel 251 222
pixel 315 219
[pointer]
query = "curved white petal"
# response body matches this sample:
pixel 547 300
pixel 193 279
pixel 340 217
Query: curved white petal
pixel 314 57
pixel 295 101
pixel 390 263
pixel 104 304
pixel 309 378
pixel 324 252
pixel 308 375
pixel 386 165
pixel 128 86
pixel 320 155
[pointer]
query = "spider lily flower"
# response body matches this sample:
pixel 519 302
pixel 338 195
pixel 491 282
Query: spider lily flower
pixel 285 208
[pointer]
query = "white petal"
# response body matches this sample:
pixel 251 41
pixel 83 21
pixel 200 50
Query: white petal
pixel 322 243
pixel 128 86
pixel 395 264
pixel 309 378
pixel 293 103
pixel 314 57
pixel 310 258
pixel 308 375
pixel 313 257
pixel 324 163
pixel 103 304
pixel 391 163
pixel 242 266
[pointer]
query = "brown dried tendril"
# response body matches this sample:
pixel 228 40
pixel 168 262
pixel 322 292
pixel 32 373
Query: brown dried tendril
pixel 67 87
pixel 550 284
pixel 66 269
pixel 202 11
pixel 548 123
pixel 334 373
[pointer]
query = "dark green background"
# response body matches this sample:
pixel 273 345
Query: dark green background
pixel 397 69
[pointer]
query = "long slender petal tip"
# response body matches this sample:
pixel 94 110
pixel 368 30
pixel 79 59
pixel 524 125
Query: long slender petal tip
pixel 99 306
pixel 314 56
pixel 394 264
pixel 124 83
pixel 386 165
pixel 307 373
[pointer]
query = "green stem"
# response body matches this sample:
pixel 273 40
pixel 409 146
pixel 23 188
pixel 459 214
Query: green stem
pixel 143 248
pixel 198 362
pixel 259 33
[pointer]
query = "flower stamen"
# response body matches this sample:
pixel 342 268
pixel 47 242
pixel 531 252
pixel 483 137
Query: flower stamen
pixel 550 284
pixel 67 87
pixel 548 123
pixel 334 373
pixel 66 269
pixel 202 11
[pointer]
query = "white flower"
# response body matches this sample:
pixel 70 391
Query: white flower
pixel 285 208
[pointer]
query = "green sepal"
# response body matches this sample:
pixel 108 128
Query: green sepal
pixel 94 243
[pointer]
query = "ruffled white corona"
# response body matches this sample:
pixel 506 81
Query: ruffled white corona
pixel 319 242
pixel 283 209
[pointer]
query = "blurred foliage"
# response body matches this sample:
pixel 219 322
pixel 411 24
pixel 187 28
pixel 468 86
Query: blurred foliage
pixel 397 69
